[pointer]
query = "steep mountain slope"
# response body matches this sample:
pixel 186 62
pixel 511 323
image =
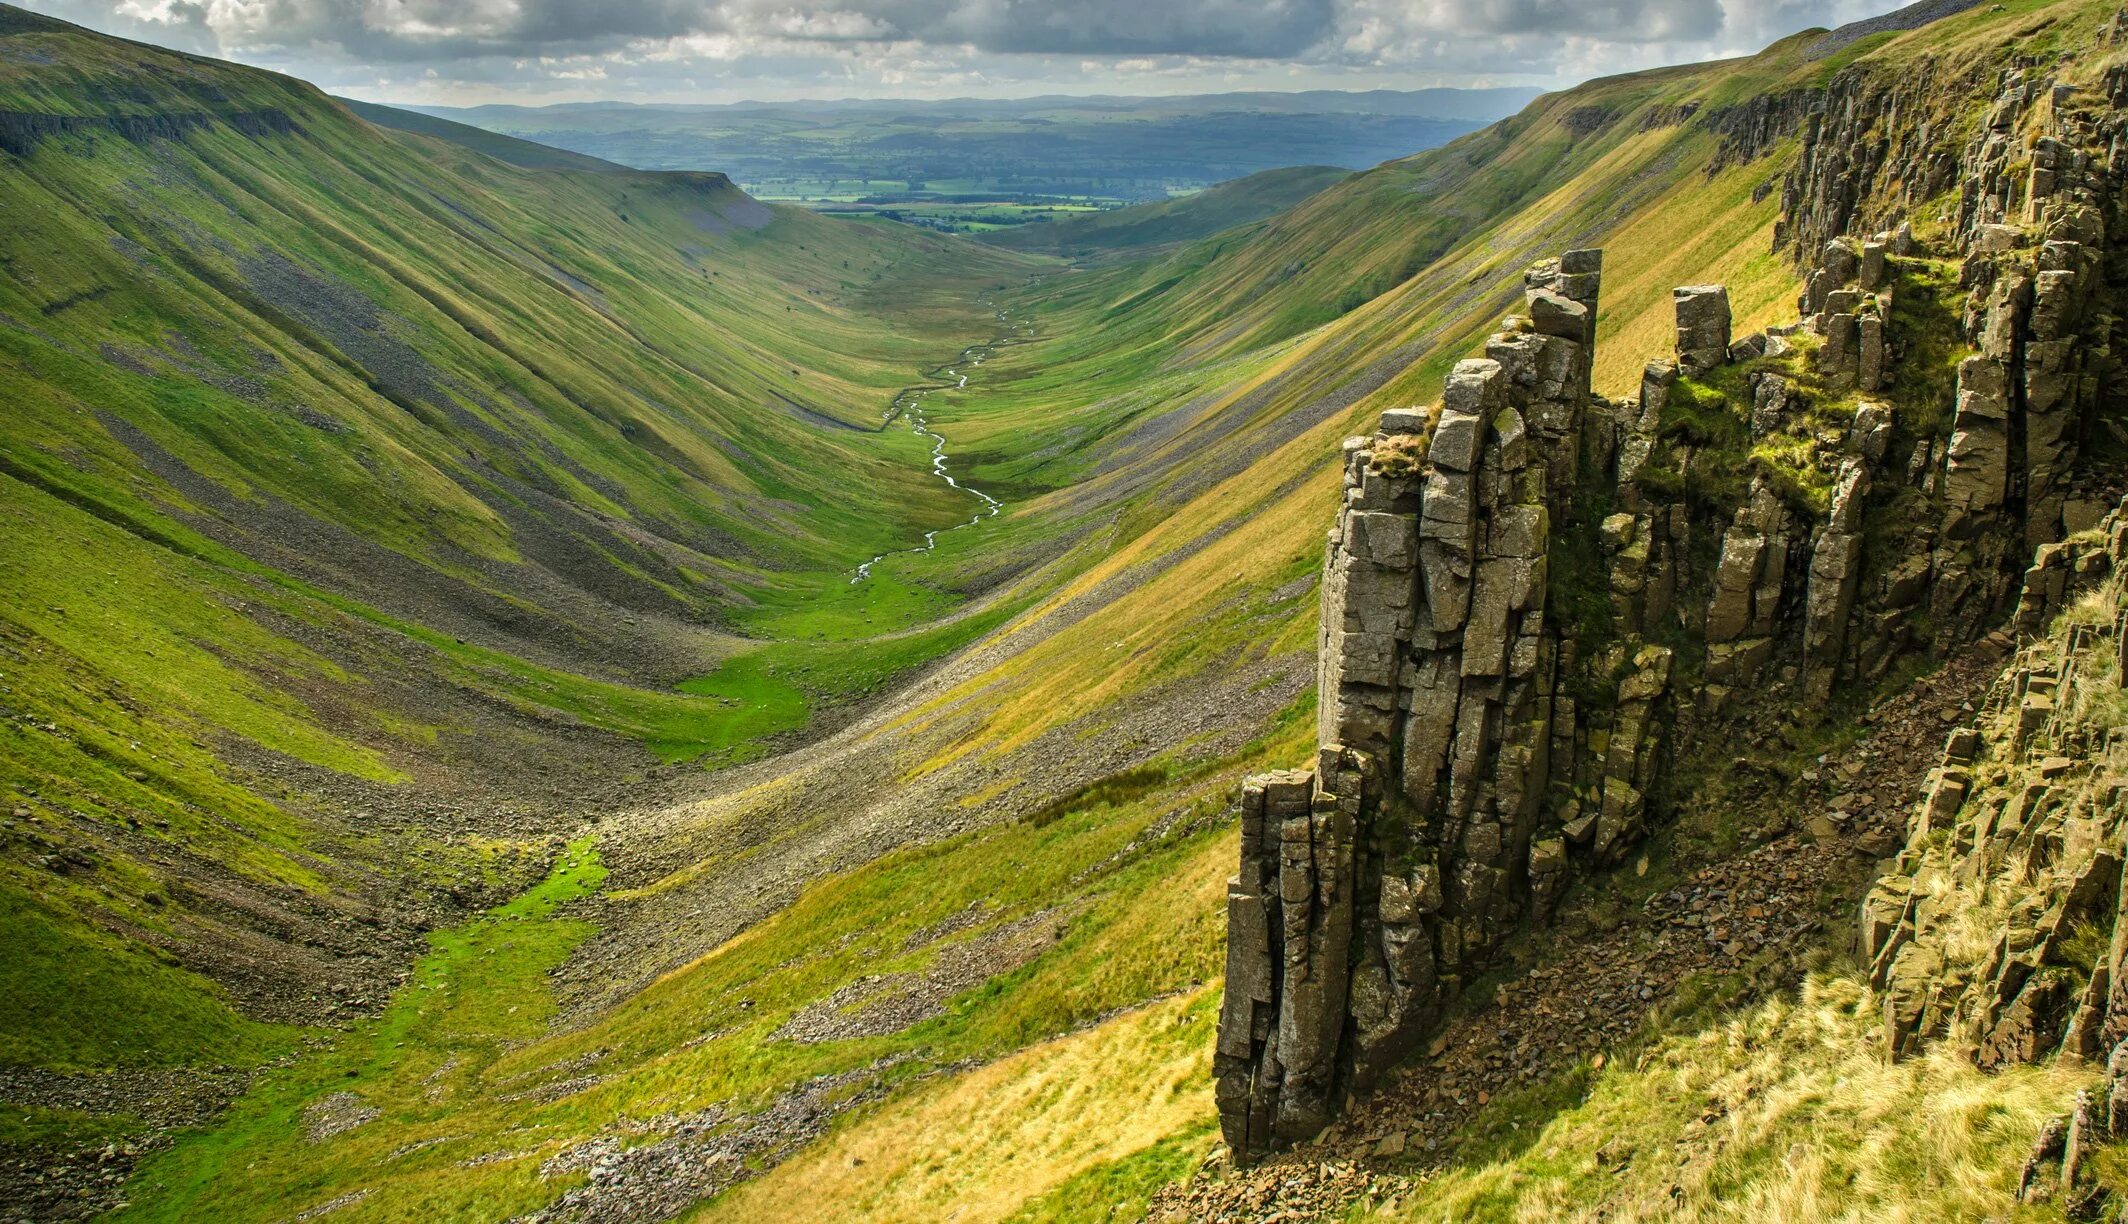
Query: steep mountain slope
pixel 962 954
pixel 1143 229
pixel 366 497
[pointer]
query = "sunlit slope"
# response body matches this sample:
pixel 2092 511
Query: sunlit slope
pixel 1186 497
pixel 289 303
pixel 1193 427
pixel 362 498
pixel 1575 162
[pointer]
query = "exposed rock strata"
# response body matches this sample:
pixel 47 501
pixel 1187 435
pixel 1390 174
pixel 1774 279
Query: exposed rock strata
pixel 1534 597
pixel 2019 837
pixel 1456 768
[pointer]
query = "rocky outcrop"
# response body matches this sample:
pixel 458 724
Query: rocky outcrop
pixel 1535 599
pixel 1370 886
pixel 2036 204
pixel 1702 327
pixel 1980 933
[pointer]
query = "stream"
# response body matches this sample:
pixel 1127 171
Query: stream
pixel 910 404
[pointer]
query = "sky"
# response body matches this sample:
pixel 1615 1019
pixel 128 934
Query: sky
pixel 532 52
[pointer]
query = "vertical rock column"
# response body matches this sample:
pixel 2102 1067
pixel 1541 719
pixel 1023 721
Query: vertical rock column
pixel 1835 577
pixel 1315 896
pixel 2058 387
pixel 1422 840
pixel 1247 1062
pixel 1703 323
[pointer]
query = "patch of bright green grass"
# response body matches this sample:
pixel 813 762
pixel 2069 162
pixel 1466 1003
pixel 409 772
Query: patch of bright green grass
pixel 776 689
pixel 37 1126
pixel 480 991
pixel 464 1065
pixel 72 998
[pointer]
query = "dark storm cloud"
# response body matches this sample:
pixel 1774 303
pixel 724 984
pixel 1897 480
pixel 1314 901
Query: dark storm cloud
pixel 1247 28
pixel 1612 20
pixel 401 30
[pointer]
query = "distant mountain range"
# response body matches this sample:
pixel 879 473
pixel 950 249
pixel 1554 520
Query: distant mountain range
pixel 1099 148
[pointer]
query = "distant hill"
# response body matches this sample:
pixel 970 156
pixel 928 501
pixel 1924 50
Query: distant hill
pixel 496 145
pixel 1143 228
pixel 1101 148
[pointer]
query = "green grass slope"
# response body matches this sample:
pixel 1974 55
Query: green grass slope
pixel 364 501
pixel 1142 229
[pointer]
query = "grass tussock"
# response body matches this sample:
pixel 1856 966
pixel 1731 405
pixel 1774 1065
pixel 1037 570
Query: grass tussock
pixel 1085 1127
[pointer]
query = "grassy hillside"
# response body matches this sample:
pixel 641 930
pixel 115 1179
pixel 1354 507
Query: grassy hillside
pixel 1194 581
pixel 366 498
pixel 962 950
pixel 1147 228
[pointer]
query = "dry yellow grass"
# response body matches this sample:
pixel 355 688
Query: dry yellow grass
pixel 1788 1113
pixel 979 1146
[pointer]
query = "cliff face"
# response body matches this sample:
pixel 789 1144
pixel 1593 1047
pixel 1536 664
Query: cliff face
pixel 1536 600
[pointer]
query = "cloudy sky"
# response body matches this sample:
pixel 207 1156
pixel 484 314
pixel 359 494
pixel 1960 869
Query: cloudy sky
pixel 535 51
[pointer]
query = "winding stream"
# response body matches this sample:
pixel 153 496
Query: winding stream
pixel 910 404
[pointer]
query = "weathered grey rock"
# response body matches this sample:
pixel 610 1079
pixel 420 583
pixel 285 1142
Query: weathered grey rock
pixel 1457 436
pixel 1871 435
pixel 1442 683
pixel 2046 1149
pixel 1736 576
pixel 1840 360
pixel 1875 269
pixel 1873 361
pixel 1282 1058
pixel 1770 405
pixel 1839 262
pixel 1246 1058
pixel 1555 314
pixel 1977 470
pixel 1997 239
pixel 1702 326
pixel 1835 578
pixel 1398 422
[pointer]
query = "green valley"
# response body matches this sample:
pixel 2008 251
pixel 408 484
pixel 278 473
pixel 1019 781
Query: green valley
pixel 515 705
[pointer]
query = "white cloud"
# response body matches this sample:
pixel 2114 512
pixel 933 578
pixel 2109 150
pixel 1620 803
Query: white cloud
pixel 557 49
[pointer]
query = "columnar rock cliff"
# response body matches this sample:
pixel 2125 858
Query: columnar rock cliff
pixel 2002 928
pixel 1455 765
pixel 1534 598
